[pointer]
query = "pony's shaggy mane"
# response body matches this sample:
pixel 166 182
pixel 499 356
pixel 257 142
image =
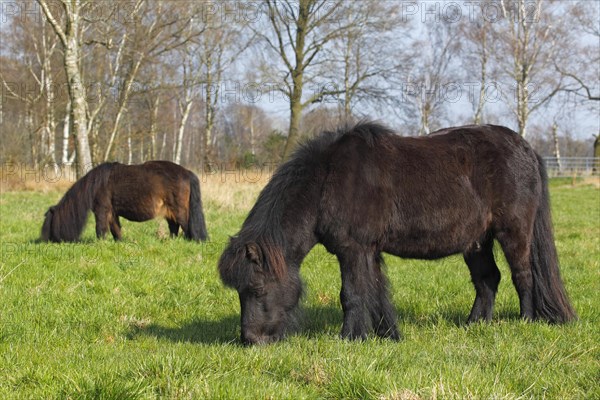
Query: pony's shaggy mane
pixel 263 225
pixel 65 221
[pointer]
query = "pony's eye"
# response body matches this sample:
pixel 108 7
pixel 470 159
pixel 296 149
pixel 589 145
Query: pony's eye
pixel 258 291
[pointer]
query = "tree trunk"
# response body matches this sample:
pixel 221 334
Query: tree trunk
pixel 252 139
pixel 153 124
pixel 208 128
pixel 163 146
pixel 69 38
pixel 66 136
pixel 483 60
pixel 522 106
pixel 179 144
pixel 123 99
pixel 556 146
pixel 50 125
pixel 33 137
pixel 209 112
pixel 295 116
pixel 78 107
pixel 297 73
pixel 425 113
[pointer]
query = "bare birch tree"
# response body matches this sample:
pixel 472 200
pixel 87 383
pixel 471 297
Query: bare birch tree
pixel 220 46
pixel 527 40
pixel 190 91
pixel 427 85
pixel 38 44
pixel 365 53
pixel 476 59
pixel 151 31
pixel 69 34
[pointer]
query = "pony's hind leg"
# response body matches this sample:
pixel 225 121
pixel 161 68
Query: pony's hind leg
pixel 486 277
pixel 516 247
pixel 173 227
pixel 115 227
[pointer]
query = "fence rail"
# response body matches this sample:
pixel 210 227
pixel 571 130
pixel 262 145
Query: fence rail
pixel 571 166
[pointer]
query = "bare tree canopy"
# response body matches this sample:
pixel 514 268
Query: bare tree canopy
pixel 203 83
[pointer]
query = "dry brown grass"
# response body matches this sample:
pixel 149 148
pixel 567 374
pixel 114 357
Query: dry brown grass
pixel 232 191
pixel 223 190
pixel 591 181
pixel 17 177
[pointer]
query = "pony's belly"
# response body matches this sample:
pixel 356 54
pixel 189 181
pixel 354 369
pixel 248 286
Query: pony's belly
pixel 136 216
pixel 432 245
pixel 423 250
pixel 145 209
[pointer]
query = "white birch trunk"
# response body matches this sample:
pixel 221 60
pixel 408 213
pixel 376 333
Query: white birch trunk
pixel 70 40
pixel 65 134
pixel 179 144
pixel 556 145
pixel 124 98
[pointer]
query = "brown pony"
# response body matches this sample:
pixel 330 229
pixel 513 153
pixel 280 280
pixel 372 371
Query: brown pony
pixel 134 192
pixel 364 191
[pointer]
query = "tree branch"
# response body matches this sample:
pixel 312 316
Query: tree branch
pixel 578 80
pixel 59 31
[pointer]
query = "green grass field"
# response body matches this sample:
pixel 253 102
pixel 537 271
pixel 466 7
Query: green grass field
pixel 149 318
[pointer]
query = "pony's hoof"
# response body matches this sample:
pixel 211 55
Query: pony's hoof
pixel 354 336
pixel 395 336
pixel 391 334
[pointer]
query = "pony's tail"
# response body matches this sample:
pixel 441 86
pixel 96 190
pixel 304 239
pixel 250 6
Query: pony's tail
pixel 549 295
pixel 196 224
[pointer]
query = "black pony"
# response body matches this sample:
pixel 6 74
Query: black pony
pixel 363 191
pixel 134 192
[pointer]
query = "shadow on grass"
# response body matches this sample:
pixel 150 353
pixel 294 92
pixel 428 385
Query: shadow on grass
pixel 196 331
pixel 319 320
pixel 86 240
pixel 453 316
pixel 312 321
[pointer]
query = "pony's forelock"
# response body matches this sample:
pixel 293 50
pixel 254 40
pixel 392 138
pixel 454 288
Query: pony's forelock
pixel 274 259
pixel 47 225
pixel 230 265
pixel 233 264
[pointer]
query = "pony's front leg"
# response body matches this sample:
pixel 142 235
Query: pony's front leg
pixel 364 298
pixel 383 313
pixel 353 296
pixel 101 223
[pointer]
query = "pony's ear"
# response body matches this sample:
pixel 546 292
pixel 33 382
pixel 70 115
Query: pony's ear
pixel 269 258
pixel 254 253
pixel 50 211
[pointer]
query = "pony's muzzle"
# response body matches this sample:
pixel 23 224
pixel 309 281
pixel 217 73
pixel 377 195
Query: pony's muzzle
pixel 249 338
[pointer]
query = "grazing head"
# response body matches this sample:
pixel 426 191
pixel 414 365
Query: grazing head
pixel 47 226
pixel 268 290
